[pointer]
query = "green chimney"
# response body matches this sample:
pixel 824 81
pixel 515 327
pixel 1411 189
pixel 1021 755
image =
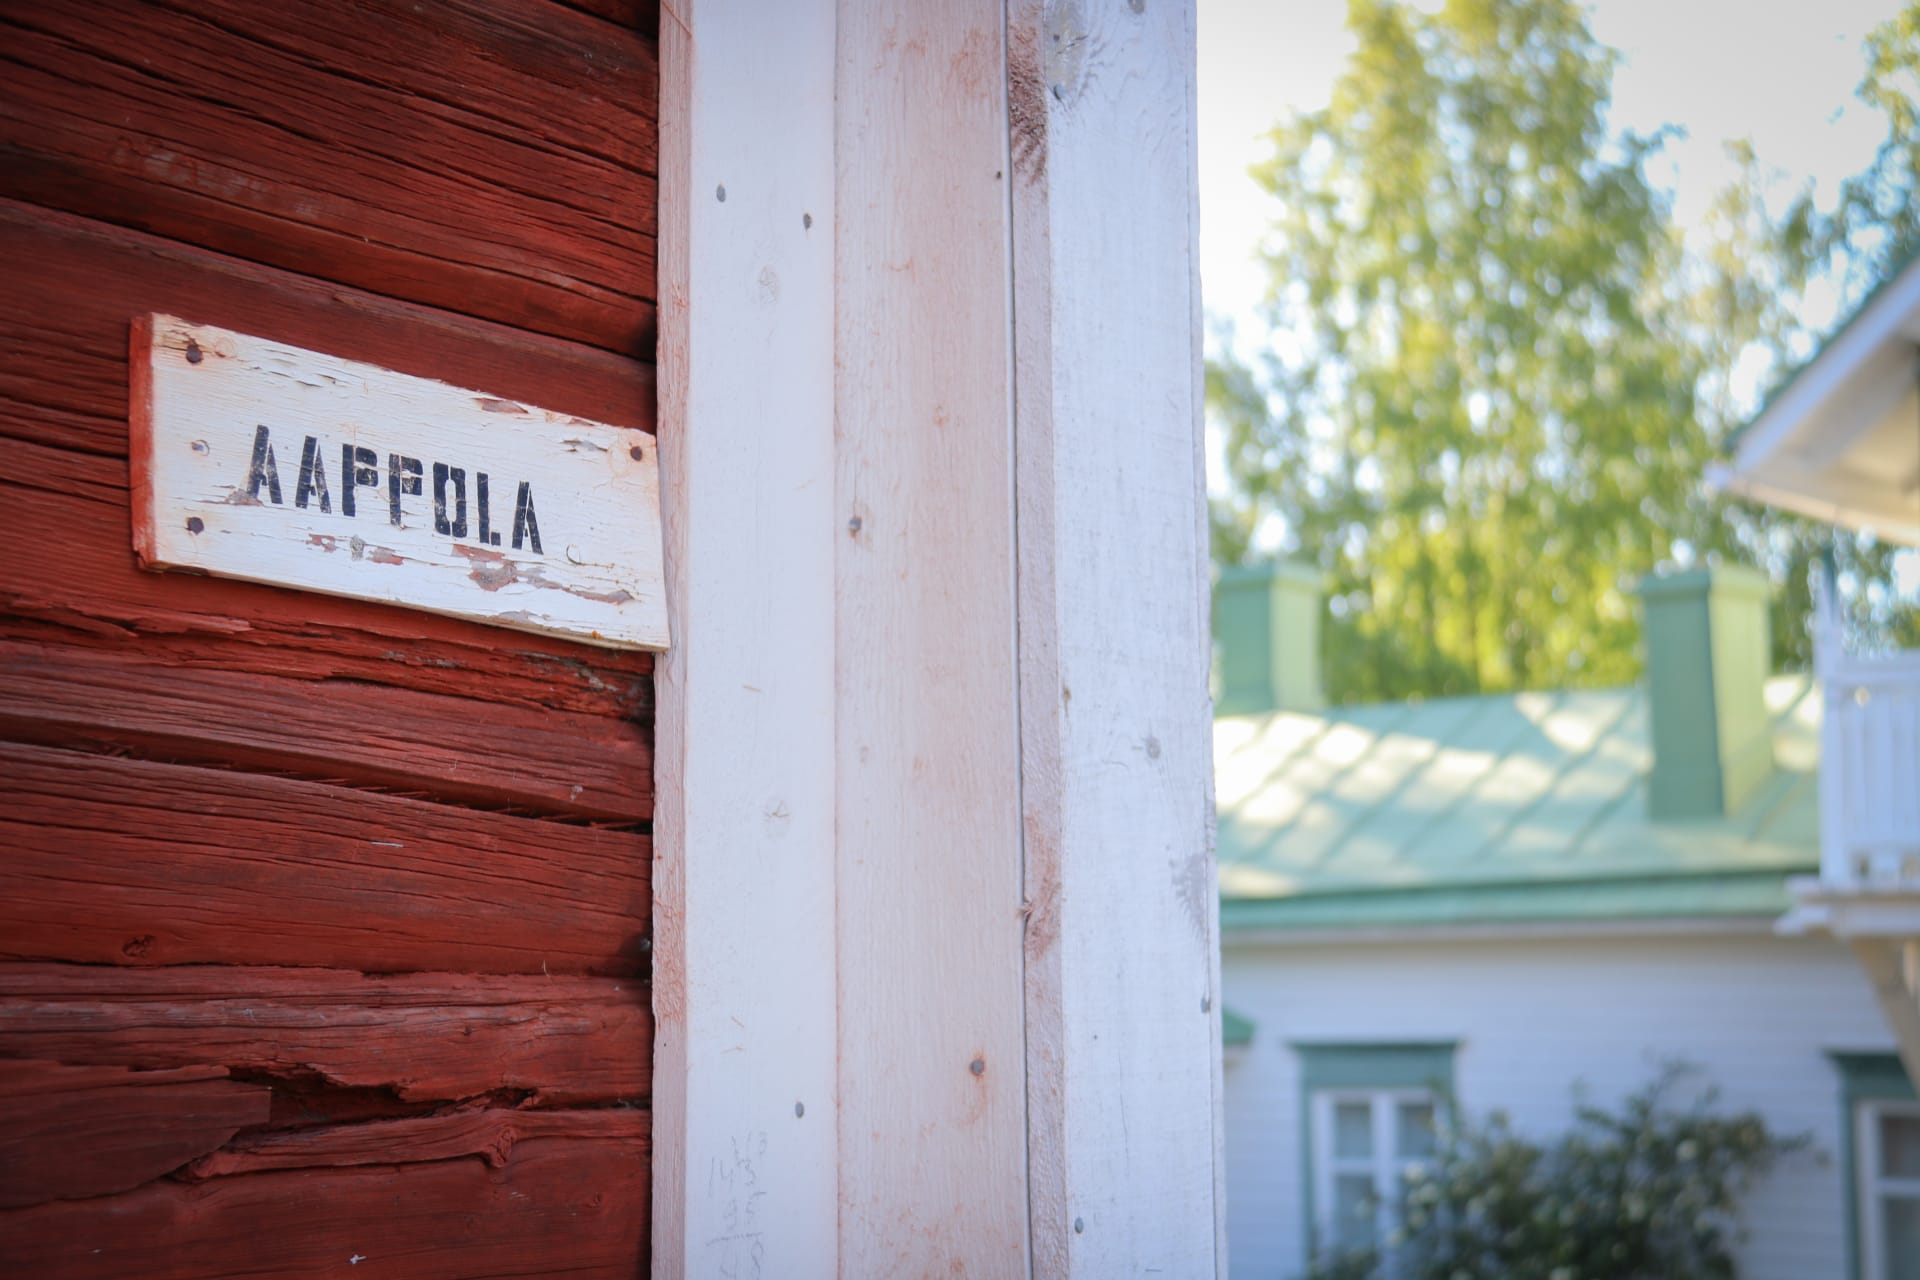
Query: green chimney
pixel 1266 632
pixel 1708 658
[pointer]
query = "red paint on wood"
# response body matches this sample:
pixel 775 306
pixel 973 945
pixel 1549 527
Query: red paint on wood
pixel 575 1206
pixel 84 586
pixel 399 163
pixel 418 1037
pixel 64 382
pixel 139 437
pixel 42 1077
pixel 635 15
pixel 135 862
pixel 437 746
pixel 69 1132
pixel 304 1101
pixel 492 157
pixel 488 1133
pixel 64 323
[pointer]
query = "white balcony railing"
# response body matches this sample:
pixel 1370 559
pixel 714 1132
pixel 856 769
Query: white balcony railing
pixel 1869 763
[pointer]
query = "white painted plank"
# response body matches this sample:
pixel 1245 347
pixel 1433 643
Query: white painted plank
pixel 745 1059
pixel 1123 1019
pixel 932 1093
pixel 258 460
pixel 925 624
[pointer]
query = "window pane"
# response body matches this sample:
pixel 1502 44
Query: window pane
pixel 1900 1146
pixel 1415 1130
pixel 1353 1129
pixel 1353 1211
pixel 1901 1222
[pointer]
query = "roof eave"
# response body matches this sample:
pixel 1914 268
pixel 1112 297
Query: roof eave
pixel 1550 929
pixel 1867 334
pixel 1816 507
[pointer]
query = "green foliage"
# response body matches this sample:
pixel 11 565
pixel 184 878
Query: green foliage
pixel 1497 377
pixel 1871 234
pixel 1648 1192
pixel 1876 227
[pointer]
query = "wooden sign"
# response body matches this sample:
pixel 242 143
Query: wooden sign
pixel 253 459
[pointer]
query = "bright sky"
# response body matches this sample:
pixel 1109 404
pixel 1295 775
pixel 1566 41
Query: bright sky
pixel 1780 72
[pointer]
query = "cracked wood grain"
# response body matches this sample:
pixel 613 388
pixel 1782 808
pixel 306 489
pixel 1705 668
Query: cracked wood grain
pixel 461 192
pixel 495 159
pixel 432 745
pixel 489 1133
pixel 574 1206
pixel 68 1132
pixel 135 862
pixel 63 331
pixel 419 1037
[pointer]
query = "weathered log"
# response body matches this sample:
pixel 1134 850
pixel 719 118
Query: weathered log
pixel 488 1133
pixel 70 1132
pixel 76 284
pixel 83 587
pixel 135 862
pixel 576 1207
pixel 63 386
pixel 433 745
pixel 635 15
pixel 419 1037
pixel 492 158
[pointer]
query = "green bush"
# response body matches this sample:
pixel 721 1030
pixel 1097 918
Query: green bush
pixel 1647 1192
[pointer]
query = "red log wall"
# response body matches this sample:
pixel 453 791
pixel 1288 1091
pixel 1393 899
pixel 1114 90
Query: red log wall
pixel 323 925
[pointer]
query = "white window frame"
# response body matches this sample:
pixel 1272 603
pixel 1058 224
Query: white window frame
pixel 1872 1187
pixel 1385 1167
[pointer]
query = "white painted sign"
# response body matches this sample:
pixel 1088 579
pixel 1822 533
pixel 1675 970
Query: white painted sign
pixel 256 460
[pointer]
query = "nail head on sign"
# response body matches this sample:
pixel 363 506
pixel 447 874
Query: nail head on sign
pixel 193 352
pixel 1079 1225
pixel 799 1109
pixel 636 453
pixel 195 524
pixel 978 1066
pixel 720 193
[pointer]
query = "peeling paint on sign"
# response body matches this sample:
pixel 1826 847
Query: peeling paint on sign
pixel 256 460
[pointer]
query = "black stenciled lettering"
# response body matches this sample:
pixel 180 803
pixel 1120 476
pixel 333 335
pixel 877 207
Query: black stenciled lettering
pixel 456 527
pixel 525 525
pixel 358 466
pixel 313 477
pixel 403 476
pixel 489 536
pixel 264 469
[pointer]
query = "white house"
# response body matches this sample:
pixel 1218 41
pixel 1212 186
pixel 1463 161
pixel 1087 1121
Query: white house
pixel 1841 441
pixel 1529 901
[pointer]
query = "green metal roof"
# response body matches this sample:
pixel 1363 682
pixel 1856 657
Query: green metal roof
pixel 1527 807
